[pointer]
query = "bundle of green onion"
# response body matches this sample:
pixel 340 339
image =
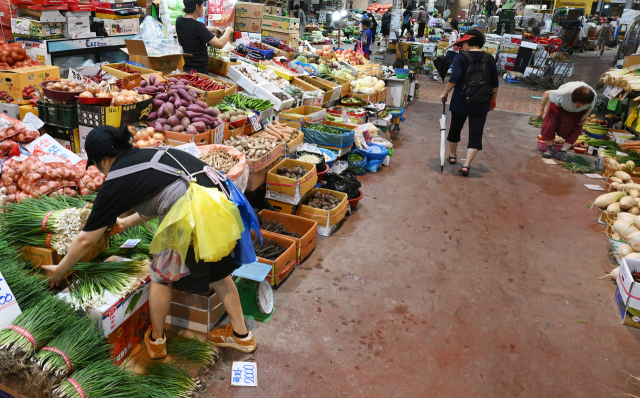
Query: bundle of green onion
pixel 99 379
pixel 79 345
pixel 578 164
pixel 192 350
pixel 173 379
pixel 93 279
pixel 35 327
pixel 141 251
pixel 27 287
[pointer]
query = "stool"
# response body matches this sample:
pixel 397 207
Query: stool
pixel 513 77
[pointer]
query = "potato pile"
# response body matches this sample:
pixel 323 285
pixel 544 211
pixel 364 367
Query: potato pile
pixel 230 115
pixel 323 202
pixel 296 173
pixel 252 147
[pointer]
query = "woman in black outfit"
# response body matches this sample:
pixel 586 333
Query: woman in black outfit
pixel 386 26
pixel 471 44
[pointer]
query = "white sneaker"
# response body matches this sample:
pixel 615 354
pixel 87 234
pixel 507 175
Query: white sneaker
pixel 599 55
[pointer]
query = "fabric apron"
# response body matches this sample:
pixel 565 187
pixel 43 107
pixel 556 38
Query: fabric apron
pixel 166 266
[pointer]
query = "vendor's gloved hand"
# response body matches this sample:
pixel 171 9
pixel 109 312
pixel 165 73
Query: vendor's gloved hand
pixel 492 104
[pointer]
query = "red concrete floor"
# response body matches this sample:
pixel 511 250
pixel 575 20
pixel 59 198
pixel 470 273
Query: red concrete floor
pixel 445 286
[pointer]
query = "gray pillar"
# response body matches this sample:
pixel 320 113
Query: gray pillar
pixel 599 9
pixel 629 5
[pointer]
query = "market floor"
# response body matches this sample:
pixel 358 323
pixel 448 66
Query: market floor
pixel 445 286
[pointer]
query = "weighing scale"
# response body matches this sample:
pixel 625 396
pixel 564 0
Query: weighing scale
pixel 256 294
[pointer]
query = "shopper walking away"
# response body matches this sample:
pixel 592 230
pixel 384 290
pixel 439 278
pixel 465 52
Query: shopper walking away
pixel 569 107
pixel 474 81
pixel 374 23
pixel 605 33
pixel 299 13
pixel 452 50
pixel 406 21
pixel 386 26
pixel 193 36
pixel 422 21
pixel 366 37
pixel 150 181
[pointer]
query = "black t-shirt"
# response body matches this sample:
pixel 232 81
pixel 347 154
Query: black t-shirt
pixel 193 36
pixel 121 194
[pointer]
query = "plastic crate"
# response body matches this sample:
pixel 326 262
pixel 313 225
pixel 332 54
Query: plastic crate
pixel 268 54
pixel 65 116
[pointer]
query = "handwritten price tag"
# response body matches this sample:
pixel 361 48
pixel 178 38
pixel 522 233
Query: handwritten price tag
pixel 32 122
pixel 218 135
pixel 190 149
pixel 130 243
pixel 131 81
pixel 594 187
pixel 9 308
pixel 336 94
pixel 77 77
pixel 244 374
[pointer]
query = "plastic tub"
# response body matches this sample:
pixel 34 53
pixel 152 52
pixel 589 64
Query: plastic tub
pixel 243 81
pixel 323 173
pixel 543 146
pixel 237 123
pixel 264 91
pixel 597 136
pixel 268 54
pixel 66 96
pixel 402 73
pixel 579 149
pixel 353 203
pixel 94 101
pixel 331 154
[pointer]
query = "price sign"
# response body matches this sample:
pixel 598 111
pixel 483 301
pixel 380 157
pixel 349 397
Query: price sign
pixel 615 91
pixel 32 122
pixel 245 38
pixel 218 134
pixel 266 122
pixel 593 175
pixel 345 116
pixel 336 94
pixel 130 243
pixel 607 92
pixel 77 77
pixel 254 121
pixel 131 81
pixel 244 374
pixel 49 159
pixel 594 187
pixel 9 308
pixel 189 148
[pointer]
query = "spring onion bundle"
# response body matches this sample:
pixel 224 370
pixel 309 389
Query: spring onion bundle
pixel 174 380
pixel 192 350
pixel 79 345
pixel 578 164
pixel 93 279
pixel 141 251
pixel 99 379
pixel 27 287
pixel 36 326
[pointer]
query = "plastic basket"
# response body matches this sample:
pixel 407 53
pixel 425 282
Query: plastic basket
pixel 243 81
pixel 268 54
pixel 265 91
pixel 64 116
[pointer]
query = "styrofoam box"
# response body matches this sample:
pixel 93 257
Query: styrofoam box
pixel 264 91
pixel 628 288
pixel 243 81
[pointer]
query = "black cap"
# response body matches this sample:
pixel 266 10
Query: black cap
pixel 99 141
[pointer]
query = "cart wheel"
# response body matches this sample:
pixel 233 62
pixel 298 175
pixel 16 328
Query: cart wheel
pixel 398 64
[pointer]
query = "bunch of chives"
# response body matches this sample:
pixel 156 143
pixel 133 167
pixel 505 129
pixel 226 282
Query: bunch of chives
pixel 99 379
pixel 28 287
pixel 43 322
pixel 192 350
pixel 93 279
pixel 173 379
pixel 143 232
pixel 82 343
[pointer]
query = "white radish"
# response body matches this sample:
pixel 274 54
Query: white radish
pixel 606 199
pixel 623 228
pixel 616 179
pixel 634 241
pixel 630 218
pixel 634 193
pixel 615 208
pixel 624 251
pixel 616 186
pixel 622 175
pixel 634 210
pixel 626 203
pixel 616 237
pixel 613 275
pixel 629 186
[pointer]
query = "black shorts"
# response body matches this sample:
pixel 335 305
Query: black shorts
pixel 385 32
pixel 203 273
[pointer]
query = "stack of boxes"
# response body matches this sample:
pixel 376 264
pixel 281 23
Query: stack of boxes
pixel 268 20
pixel 119 19
pixel 249 17
pixel 78 25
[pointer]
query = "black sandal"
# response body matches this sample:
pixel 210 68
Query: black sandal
pixel 465 173
pixel 454 160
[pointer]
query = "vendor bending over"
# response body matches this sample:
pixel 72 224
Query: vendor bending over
pixel 570 106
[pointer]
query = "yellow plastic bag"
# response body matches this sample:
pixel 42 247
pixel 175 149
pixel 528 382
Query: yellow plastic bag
pixel 206 215
pixel 632 117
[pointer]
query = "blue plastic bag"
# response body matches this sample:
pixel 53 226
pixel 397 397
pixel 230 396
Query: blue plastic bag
pixel 244 253
pixel 375 155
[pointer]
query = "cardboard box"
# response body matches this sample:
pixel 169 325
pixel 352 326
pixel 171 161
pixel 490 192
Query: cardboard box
pixel 194 311
pixel 32 29
pixel 332 91
pixel 628 288
pixel 277 23
pixel 220 67
pixel 177 139
pixel 164 63
pixel 252 25
pixel 115 6
pixel 120 27
pixel 14 81
pixel 307 229
pixel 258 177
pixel 265 161
pixel 24 109
pixel 373 98
pixel 211 97
pixel 326 218
pixel 290 186
pixel 283 208
pixel 382 95
pixel 69 138
pixel 77 25
pixel 111 69
pixel 6 392
pixel 249 10
pixel 11 110
pixel 346 86
pixel 95 115
pixel 48 256
pixel 283 265
pixel 295 117
pixel 631 60
pixel 289 38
